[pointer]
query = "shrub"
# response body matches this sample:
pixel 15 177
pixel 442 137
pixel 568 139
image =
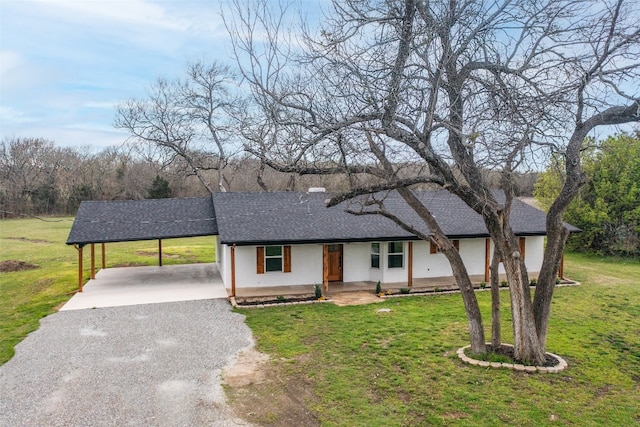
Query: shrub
pixel 504 284
pixel 533 282
pixel 405 290
pixel 378 288
pixel 280 298
pixel 483 285
pixel 318 290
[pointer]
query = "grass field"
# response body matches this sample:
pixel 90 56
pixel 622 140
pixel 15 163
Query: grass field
pixel 26 296
pixel 400 368
pixel 353 366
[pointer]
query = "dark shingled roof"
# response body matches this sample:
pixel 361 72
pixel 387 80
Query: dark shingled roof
pixel 289 217
pixel 128 220
pixel 286 217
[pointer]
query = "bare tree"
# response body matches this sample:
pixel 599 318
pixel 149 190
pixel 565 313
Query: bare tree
pixel 458 87
pixel 187 121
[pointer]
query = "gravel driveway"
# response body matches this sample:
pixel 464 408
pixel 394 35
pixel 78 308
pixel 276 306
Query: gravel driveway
pixel 151 365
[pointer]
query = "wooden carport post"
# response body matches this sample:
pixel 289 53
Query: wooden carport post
pixel 93 261
pixel 104 261
pixel 160 252
pixel 79 249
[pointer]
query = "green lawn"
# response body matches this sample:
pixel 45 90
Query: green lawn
pixel 400 368
pixel 27 296
pixel 392 369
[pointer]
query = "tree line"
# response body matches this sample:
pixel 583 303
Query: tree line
pixel 38 177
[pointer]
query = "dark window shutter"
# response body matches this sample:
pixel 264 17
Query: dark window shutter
pixel 260 260
pixel 287 259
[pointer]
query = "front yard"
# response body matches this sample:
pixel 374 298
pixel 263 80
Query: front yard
pixel 354 366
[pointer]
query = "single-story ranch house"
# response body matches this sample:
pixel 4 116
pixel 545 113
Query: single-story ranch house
pixel 292 240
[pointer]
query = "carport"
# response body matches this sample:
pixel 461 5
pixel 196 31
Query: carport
pixel 102 222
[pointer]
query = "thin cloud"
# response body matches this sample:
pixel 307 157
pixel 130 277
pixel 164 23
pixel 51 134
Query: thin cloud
pixel 128 12
pixel 9 115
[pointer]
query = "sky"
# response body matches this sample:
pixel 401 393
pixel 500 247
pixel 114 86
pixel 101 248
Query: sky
pixel 66 64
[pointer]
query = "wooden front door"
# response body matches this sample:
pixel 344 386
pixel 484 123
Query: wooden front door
pixel 334 263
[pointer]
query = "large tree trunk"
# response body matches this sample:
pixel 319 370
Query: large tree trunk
pixel 474 316
pixel 496 339
pixel 525 337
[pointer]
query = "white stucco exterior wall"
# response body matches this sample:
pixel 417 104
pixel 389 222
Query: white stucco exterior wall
pixel 306 268
pixel 533 253
pixel 306 263
pixel 356 262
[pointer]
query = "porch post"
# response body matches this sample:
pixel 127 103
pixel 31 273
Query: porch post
pixel 561 270
pixel 104 263
pixel 487 256
pixel 79 249
pixel 160 252
pixel 233 270
pixel 325 267
pixel 410 265
pixel 93 261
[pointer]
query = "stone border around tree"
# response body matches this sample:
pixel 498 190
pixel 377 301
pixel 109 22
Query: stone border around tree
pixel 561 366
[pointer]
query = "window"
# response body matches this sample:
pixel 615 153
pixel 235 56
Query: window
pixel 395 255
pixel 273 258
pixel 375 255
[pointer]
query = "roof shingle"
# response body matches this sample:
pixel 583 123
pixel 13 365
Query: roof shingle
pixel 289 217
pixel 129 220
pixel 282 217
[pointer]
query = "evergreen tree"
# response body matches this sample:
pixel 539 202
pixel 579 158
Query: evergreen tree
pixel 608 207
pixel 159 188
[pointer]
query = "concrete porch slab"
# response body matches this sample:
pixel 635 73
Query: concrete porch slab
pixel 114 287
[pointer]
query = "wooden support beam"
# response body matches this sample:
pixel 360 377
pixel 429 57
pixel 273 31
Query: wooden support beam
pixel 93 261
pixel 487 258
pixel 104 259
pixel 561 270
pixel 79 249
pixel 325 267
pixel 160 252
pixel 233 270
pixel 410 265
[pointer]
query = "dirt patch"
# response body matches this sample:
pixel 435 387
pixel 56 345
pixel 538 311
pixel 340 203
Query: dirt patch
pixel 129 264
pixel 261 391
pixel 355 298
pixel 155 254
pixel 24 239
pixel 11 265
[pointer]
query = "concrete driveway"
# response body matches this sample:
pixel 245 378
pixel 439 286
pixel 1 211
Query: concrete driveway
pixel 115 287
pixel 137 365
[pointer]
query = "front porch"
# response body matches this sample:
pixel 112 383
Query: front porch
pixel 422 284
